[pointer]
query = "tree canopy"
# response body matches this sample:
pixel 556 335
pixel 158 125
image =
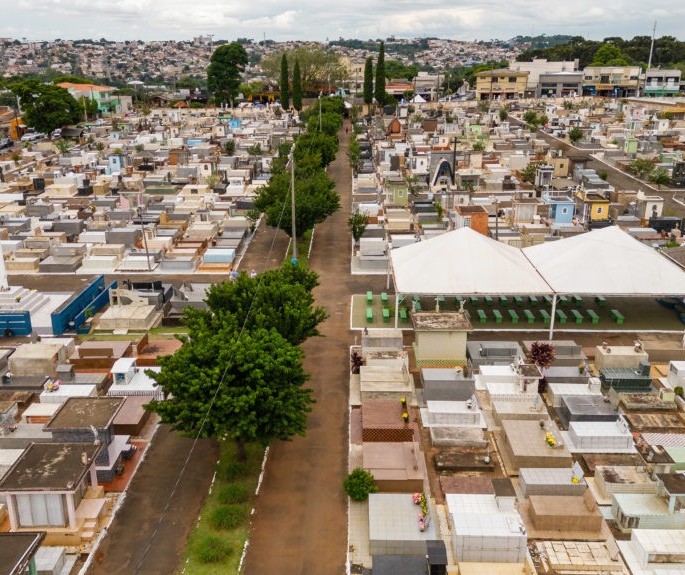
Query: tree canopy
pixel 610 55
pixel 239 372
pixel 318 67
pixel 379 88
pixel 285 83
pixel 395 69
pixel 297 86
pixel 46 107
pixel 223 73
pixel 368 80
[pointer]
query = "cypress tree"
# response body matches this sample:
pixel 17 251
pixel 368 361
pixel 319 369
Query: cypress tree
pixel 297 87
pixel 285 83
pixel 379 91
pixel 368 81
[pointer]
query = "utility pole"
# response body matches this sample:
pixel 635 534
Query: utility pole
pixel 291 161
pixel 651 52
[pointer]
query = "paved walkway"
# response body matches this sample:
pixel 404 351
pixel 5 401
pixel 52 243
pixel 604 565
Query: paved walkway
pixel 300 524
pixel 121 551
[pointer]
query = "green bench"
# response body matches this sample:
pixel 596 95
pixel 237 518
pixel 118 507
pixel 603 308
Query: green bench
pixel 514 316
pixel 384 297
pixel 369 314
pixel 548 299
pixel 561 316
pixel 563 300
pixel 532 300
pixel 577 300
pixel 518 300
pixel 594 318
pixel 529 316
pixel 488 300
pixel 482 318
pixel 600 300
pixel 386 315
pixel 403 314
pixel 369 297
pixel 577 316
pixel 474 300
pixel 545 316
pixel 504 301
pixel 497 315
pixel 618 316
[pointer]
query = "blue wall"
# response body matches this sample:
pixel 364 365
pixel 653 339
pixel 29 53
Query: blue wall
pixel 93 296
pixel 17 321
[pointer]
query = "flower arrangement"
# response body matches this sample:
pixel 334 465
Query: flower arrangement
pixel 405 417
pixel 422 522
pixel 416 498
pixel 575 479
pixel 549 439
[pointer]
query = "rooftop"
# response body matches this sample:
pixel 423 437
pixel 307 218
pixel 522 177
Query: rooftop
pixel 16 550
pixel 441 321
pixel 50 467
pixel 84 412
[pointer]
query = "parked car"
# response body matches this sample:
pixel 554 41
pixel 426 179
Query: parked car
pixel 6 143
pixel 33 136
pixel 57 133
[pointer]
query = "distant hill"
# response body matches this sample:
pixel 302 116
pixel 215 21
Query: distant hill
pixel 540 42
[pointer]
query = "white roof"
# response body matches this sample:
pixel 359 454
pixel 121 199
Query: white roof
pixel 464 262
pixel 418 99
pixel 606 262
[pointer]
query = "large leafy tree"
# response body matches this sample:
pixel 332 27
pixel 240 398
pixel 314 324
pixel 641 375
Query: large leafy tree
pixel 368 81
pixel 285 83
pixel 318 67
pixel 281 299
pixel 610 55
pixel 228 382
pixel 297 86
pixel 315 200
pixel 46 107
pixel 379 88
pixel 223 73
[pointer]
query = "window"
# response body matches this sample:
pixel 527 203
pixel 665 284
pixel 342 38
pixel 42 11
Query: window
pixel 564 210
pixel 467 222
pixel 37 510
pixel 512 79
pixel 599 209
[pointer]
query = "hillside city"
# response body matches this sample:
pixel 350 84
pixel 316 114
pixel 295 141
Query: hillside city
pixel 379 307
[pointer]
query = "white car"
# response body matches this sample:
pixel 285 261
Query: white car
pixel 32 137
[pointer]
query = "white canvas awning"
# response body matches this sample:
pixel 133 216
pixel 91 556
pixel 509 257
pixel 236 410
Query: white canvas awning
pixel 464 262
pixel 606 262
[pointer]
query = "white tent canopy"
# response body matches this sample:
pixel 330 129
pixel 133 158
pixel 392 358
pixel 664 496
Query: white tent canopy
pixel 606 262
pixel 418 99
pixel 464 262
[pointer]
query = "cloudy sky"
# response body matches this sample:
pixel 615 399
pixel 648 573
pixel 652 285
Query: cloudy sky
pixel 322 19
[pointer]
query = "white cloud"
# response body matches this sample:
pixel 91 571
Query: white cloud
pixel 316 20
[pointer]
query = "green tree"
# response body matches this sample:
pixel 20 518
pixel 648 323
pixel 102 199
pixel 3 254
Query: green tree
pixel 315 200
pixel 395 69
pixel 285 83
pixel 255 150
pixel 528 173
pixel 223 73
pixel 379 88
pixel 89 106
pixel 575 134
pixel 354 153
pixel 359 484
pixel 279 299
pixel 228 382
pixel 46 107
pixel 229 147
pixel 368 81
pixel 357 223
pixel 319 67
pixel 641 167
pixel 297 87
pixel 660 177
pixel 63 146
pixel 610 55
pixel 503 113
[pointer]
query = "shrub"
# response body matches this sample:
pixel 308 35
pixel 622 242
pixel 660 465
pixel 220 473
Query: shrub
pixel 678 391
pixel 358 484
pixel 234 470
pixel 234 493
pixel 228 517
pixel 211 549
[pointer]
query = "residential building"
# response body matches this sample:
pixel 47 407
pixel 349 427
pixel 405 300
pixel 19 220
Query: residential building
pixel 662 83
pixel 611 81
pixel 502 84
pixel 559 84
pixel 103 95
pixel 539 67
pixel 474 217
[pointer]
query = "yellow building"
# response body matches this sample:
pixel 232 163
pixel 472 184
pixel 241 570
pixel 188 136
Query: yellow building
pixel 592 206
pixel 501 84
